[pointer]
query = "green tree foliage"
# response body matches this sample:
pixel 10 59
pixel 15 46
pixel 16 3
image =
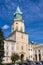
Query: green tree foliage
pixel 14 57
pixel 1 45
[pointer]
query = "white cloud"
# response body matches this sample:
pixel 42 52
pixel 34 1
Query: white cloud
pixel 5 27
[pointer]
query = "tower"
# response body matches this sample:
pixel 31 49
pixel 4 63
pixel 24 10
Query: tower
pixel 17 41
pixel 21 37
pixel 18 23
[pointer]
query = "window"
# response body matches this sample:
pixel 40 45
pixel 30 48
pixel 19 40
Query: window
pixel 36 57
pixel 6 59
pixel 31 56
pixel 21 29
pixel 31 45
pixel 7 53
pixel 39 57
pixel 7 48
pixel 12 48
pixel 39 50
pixel 16 27
pixel 16 23
pixel 31 49
pixel 22 47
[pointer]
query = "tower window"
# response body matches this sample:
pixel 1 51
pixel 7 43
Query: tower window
pixel 21 29
pixel 16 23
pixel 22 36
pixel 16 27
pixel 22 47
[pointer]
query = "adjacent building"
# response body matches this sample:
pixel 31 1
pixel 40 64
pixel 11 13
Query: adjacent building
pixel 35 52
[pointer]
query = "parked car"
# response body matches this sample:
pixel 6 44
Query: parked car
pixel 41 62
pixel 38 63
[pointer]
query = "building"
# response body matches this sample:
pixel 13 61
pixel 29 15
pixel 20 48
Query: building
pixel 17 42
pixel 38 52
pixel 35 52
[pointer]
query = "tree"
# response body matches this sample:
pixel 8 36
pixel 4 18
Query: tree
pixel 1 46
pixel 14 57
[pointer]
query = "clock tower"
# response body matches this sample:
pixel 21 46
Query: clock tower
pixel 21 37
pixel 18 23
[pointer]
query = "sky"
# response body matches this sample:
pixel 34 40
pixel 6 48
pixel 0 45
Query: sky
pixel 32 15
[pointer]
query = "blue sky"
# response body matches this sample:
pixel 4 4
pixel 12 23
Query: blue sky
pixel 32 15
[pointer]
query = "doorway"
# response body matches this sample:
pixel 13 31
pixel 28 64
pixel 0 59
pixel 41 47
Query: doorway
pixel 22 57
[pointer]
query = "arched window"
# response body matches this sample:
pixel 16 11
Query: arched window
pixel 22 47
pixel 21 29
pixel 17 28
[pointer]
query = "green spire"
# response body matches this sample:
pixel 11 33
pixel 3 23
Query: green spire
pixel 18 14
pixel 18 11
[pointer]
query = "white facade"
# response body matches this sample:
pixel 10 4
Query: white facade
pixel 30 52
pixel 35 52
pixel 38 52
pixel 9 48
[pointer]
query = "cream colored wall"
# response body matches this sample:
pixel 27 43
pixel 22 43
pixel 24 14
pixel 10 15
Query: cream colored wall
pixel 9 48
pixel 37 48
pixel 31 51
pixel 22 40
pixel 12 37
pixel 19 24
